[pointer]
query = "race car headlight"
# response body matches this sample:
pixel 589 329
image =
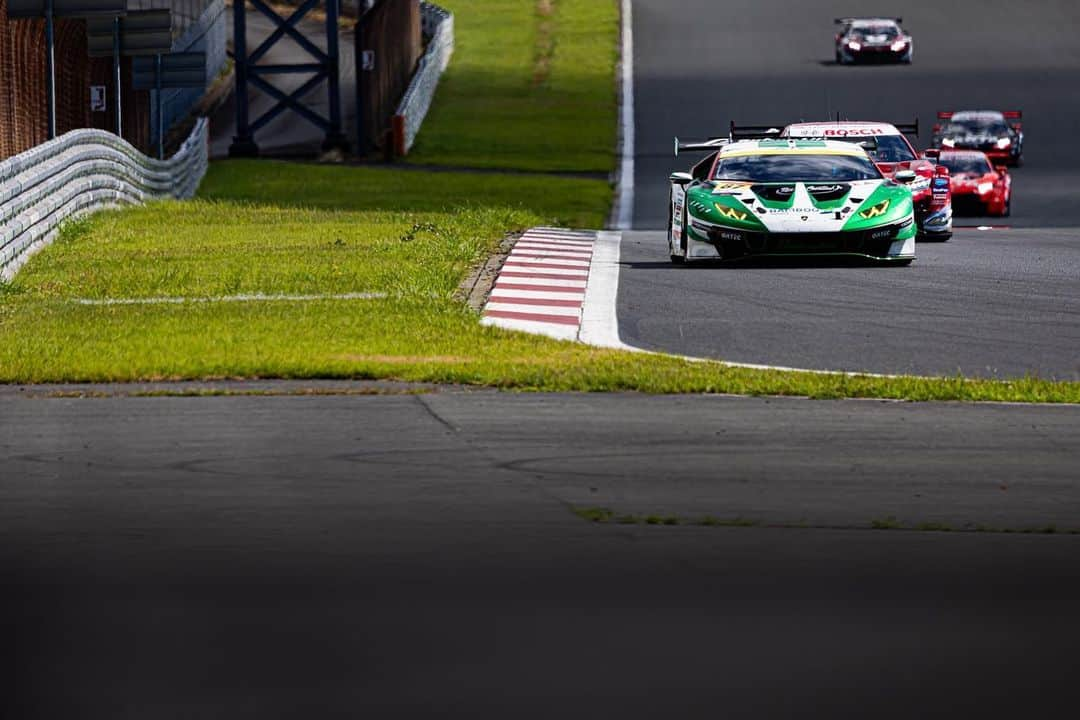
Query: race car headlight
pixel 985 187
pixel 948 142
pixel 1003 143
pixel 875 211
pixel 898 45
pixel 854 45
pixel 730 212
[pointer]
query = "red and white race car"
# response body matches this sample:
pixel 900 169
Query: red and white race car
pixel 979 188
pixel 891 151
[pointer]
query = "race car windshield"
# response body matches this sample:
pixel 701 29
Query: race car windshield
pixel 796 168
pixel 888 31
pixel 995 128
pixel 966 165
pixel 890 148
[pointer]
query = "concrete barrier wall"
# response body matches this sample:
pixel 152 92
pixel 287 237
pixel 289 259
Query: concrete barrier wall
pixel 438 27
pixel 82 171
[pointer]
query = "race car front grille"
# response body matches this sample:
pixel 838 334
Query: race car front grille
pixel 874 242
pixel 871 55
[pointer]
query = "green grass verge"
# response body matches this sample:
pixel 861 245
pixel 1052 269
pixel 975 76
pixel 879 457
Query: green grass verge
pixel 274 228
pixel 527 89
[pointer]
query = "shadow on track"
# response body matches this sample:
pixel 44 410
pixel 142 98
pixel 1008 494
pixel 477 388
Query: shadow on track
pixel 763 263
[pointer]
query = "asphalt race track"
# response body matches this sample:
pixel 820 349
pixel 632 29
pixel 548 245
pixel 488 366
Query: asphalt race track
pixel 379 553
pixel 416 556
pixel 1004 302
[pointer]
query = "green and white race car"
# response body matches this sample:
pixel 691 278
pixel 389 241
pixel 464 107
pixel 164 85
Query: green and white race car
pixel 753 198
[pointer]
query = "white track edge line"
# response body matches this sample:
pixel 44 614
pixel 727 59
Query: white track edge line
pixel 599 313
pixel 626 121
pixel 228 298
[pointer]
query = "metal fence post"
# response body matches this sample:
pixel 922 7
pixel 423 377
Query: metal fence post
pixel 361 140
pixel 116 76
pixel 50 69
pixel 243 144
pixel 160 108
pixel 335 139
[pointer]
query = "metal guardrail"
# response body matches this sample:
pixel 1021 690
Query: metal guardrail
pixel 438 26
pixel 82 171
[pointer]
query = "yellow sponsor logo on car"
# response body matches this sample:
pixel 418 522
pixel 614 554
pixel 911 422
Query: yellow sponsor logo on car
pixel 875 211
pixel 730 212
pixel 727 187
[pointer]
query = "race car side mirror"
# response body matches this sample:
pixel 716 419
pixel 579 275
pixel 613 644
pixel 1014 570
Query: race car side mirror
pixel 1001 169
pixel 941 171
pixel 932 154
pixel 905 176
pixel 681 178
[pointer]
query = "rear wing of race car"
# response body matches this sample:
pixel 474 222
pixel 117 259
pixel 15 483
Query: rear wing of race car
pixel 704 146
pixel 908 128
pixel 942 116
pixel 846 20
pixel 754 132
pixel 764 132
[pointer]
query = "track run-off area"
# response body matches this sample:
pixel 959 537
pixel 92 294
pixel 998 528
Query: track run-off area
pixel 1001 302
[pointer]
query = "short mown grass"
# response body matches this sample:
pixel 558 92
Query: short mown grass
pixel 531 87
pixel 265 228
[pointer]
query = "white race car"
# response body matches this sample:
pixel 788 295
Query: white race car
pixel 788 197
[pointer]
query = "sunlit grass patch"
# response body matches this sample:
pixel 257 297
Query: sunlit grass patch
pixel 531 86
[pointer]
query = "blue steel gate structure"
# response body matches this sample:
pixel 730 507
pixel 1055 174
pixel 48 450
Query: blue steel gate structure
pixel 324 68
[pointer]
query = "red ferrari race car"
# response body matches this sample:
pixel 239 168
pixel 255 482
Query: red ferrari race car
pixel 892 153
pixel 997 133
pixel 978 187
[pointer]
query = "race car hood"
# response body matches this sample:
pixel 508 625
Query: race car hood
pixel 968 182
pixel 801 207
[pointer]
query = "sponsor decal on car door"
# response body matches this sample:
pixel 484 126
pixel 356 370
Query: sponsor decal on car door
pixel 678 198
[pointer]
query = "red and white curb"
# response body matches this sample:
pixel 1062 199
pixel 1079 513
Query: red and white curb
pixel 559 283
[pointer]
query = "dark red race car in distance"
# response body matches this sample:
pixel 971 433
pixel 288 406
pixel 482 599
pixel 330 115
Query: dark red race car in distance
pixel 978 187
pixel 998 133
